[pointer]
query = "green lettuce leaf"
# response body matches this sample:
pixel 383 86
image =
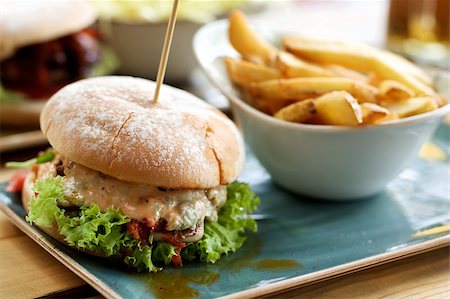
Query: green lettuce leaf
pixel 163 252
pixel 141 259
pixel 104 232
pixel 94 230
pixel 227 234
pixel 90 229
pixel 9 96
pixel 43 157
pixel 44 209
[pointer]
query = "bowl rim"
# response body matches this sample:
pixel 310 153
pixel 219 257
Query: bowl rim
pixel 243 105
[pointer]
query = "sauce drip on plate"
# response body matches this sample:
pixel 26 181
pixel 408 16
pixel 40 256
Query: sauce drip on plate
pixel 181 283
pixel 176 283
pixel 275 265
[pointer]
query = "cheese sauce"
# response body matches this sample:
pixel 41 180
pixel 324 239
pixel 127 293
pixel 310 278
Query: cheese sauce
pixel 181 209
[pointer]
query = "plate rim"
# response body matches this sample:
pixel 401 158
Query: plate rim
pixel 342 270
pixel 284 285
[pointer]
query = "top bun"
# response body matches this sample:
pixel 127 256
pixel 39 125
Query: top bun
pixel 23 23
pixel 110 124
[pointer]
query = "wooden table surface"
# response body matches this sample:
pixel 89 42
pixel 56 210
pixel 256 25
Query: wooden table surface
pixel 28 271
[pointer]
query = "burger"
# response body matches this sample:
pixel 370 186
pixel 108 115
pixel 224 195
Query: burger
pixel 150 184
pixel 43 47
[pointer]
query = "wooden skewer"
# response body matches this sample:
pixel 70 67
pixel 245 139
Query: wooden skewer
pixel 165 51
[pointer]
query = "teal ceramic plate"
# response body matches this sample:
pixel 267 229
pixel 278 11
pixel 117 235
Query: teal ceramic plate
pixel 299 240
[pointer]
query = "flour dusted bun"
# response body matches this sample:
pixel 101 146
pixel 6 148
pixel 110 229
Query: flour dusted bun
pixel 110 124
pixel 24 23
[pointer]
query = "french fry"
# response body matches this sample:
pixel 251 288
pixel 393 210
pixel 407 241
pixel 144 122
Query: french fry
pixel 359 57
pixel 390 117
pixel 244 72
pixel 388 70
pixel 441 100
pixel 247 42
pixel 338 108
pixel 298 112
pixel 373 79
pixel 354 56
pixel 390 90
pixel 346 72
pixel 271 107
pixel 304 88
pixel 408 66
pixel 411 106
pixel 291 66
pixel 373 114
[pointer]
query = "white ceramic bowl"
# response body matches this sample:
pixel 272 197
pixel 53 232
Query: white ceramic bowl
pixel 328 162
pixel 138 47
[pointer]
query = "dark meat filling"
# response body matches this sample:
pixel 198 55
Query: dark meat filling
pixel 142 230
pixel 60 168
pixel 39 70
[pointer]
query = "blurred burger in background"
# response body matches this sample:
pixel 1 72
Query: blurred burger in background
pixel 43 47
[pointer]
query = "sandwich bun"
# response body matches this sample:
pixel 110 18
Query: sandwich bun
pixel 110 124
pixel 32 22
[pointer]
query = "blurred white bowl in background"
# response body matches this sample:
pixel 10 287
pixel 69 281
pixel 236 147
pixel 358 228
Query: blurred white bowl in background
pixel 138 47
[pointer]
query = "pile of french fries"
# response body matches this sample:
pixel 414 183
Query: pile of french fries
pixel 326 82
